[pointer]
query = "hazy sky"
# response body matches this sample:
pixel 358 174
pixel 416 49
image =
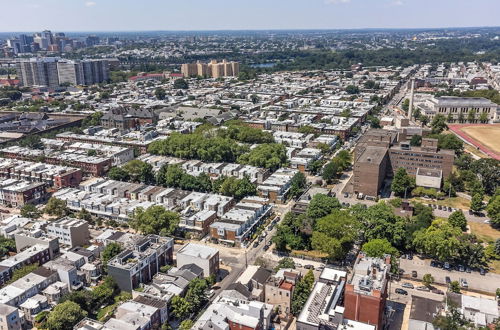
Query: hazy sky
pixel 118 15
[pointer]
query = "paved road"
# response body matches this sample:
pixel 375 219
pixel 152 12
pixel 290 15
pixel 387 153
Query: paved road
pixel 486 283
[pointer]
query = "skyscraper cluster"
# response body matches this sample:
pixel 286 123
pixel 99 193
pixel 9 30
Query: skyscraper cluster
pixel 53 71
pixel 213 69
pixel 48 41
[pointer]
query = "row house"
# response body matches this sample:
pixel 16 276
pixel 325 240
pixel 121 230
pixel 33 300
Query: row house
pixel 53 175
pixel 276 187
pixel 17 193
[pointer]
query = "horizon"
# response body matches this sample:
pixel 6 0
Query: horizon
pixel 270 30
pixel 259 15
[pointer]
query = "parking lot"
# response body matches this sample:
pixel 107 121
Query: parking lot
pixel 484 283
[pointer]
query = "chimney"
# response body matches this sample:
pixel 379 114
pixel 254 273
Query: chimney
pixel 412 91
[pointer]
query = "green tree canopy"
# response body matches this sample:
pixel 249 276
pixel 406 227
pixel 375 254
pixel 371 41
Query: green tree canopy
pixel 56 207
pixel 335 234
pixel 65 316
pixel 402 183
pixel 378 248
pixel 269 155
pixel 30 211
pixel 457 219
pixel 155 220
pixel 321 205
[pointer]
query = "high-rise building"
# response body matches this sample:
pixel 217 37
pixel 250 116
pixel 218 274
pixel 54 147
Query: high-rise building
pixel 53 71
pixel 38 72
pixel 189 70
pixel 213 69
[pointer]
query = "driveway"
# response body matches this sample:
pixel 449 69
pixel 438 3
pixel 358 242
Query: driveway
pixel 485 283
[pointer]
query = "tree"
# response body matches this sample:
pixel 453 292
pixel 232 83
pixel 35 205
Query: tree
pixel 21 272
pixel 452 320
pixel 84 215
pixel 344 159
pixel 6 245
pixel 285 263
pixel 378 248
pixel 455 286
pixel 493 210
pixel 297 185
pixel 160 93
pixel 416 140
pixel 196 293
pixel 30 211
pixel 335 234
pixel 155 220
pixel 402 183
pixel 56 207
pixel 186 325
pixel 65 316
pixel 457 219
pixel 483 118
pixel 476 203
pixel 181 308
pixel 322 205
pixel 428 280
pixel 379 222
pixel 181 83
pixel 301 294
pixel 139 171
pixel 119 174
pixel 471 116
pixel 268 155
pixel 438 124
pixel 331 171
pixel 351 89
pixel 441 240
pixel 110 251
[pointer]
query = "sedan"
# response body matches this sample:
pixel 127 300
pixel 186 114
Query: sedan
pixel 407 285
pixel 401 291
pixel 437 291
pixel 423 288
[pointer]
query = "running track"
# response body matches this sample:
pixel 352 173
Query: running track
pixel 457 130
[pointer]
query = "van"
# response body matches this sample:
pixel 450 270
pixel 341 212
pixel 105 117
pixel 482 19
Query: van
pixel 360 196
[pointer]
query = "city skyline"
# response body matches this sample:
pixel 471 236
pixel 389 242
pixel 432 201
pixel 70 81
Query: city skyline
pixel 197 15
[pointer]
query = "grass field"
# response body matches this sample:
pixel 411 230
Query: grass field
pixel 455 202
pixel 484 231
pixel 489 135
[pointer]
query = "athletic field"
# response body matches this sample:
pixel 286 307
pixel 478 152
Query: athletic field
pixel 486 137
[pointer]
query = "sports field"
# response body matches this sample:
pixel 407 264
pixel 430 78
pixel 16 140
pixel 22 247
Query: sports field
pixel 486 137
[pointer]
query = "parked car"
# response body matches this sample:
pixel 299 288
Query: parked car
pixel 450 209
pixel 266 247
pixel 346 195
pixel 334 194
pixel 309 267
pixel 414 273
pixel 440 207
pixel 461 268
pixel 255 244
pixel 463 283
pixel 482 271
pixel 401 291
pixel 447 279
pixel 468 270
pixel 447 265
pixel 437 291
pixel 423 288
pixel 407 285
pixel 410 256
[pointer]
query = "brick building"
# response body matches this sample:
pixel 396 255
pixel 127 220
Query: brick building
pixel 379 154
pixel 365 293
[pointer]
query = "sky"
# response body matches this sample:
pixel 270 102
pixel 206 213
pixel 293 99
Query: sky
pixel 144 15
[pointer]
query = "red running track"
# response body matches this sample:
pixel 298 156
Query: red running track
pixel 457 130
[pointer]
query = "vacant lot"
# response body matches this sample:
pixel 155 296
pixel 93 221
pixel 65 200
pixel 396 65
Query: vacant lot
pixel 488 135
